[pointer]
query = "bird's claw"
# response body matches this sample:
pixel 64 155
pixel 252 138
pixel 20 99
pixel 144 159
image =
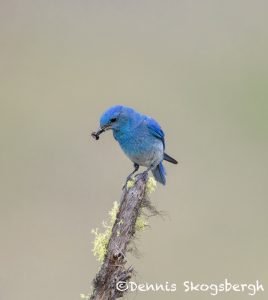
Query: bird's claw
pixel 145 175
pixel 131 181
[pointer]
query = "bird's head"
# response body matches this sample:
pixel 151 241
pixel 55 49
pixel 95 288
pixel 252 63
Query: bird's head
pixel 116 118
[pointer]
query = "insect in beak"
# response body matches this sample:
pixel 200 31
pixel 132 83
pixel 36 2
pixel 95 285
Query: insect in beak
pixel 96 135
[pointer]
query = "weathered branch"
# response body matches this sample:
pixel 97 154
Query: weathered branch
pixel 113 269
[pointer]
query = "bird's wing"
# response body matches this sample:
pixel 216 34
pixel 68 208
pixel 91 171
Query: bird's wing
pixel 155 129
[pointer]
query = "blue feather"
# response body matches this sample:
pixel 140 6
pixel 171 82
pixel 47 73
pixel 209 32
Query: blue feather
pixel 155 130
pixel 160 174
pixel 140 137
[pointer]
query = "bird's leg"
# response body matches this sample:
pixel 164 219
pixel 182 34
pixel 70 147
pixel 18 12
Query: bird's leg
pixel 146 172
pixel 136 168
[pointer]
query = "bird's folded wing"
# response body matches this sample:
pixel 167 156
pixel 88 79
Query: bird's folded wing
pixel 155 129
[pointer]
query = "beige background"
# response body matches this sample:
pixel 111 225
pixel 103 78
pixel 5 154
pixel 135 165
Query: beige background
pixel 201 69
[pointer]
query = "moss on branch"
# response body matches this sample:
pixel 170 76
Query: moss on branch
pixel 111 246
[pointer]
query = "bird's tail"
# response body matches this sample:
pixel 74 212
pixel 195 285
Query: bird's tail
pixel 160 174
pixel 170 159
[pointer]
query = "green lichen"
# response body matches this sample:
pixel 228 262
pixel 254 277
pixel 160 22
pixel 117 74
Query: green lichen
pixel 113 212
pixel 83 296
pixel 130 183
pixel 142 220
pixel 100 243
pixel 101 240
pixel 141 223
pixel 150 185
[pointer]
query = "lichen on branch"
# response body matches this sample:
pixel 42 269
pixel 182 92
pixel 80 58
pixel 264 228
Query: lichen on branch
pixel 111 246
pixel 101 240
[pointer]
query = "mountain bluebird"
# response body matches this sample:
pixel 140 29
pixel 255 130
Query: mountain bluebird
pixel 140 137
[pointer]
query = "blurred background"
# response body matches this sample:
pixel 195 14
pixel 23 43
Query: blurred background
pixel 201 69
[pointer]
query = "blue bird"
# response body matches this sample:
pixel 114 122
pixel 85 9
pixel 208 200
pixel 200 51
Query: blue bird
pixel 140 137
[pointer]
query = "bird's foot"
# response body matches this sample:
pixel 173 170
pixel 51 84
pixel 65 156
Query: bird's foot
pixel 130 181
pixel 143 175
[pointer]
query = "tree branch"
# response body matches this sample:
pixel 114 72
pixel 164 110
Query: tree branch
pixel 113 269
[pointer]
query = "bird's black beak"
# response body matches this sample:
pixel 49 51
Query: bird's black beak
pixel 96 135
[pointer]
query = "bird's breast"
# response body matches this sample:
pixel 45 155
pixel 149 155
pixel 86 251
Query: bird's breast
pixel 141 147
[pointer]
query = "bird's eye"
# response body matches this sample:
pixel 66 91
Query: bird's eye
pixel 113 120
